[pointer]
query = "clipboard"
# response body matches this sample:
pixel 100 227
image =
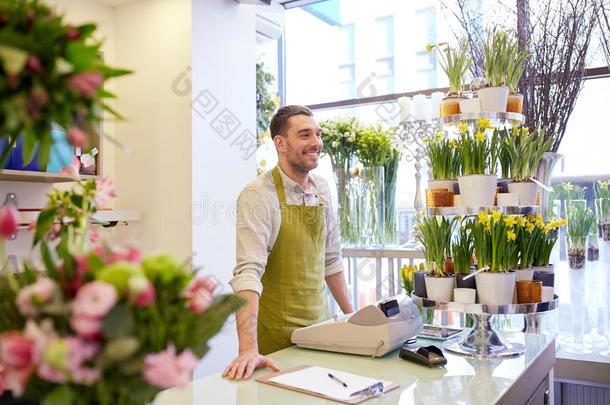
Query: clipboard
pixel 356 400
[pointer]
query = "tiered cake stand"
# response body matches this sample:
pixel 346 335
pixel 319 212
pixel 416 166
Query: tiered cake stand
pixel 482 340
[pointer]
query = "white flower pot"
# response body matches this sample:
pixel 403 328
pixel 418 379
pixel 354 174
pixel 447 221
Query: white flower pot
pixel 470 105
pixel 478 190
pixel 493 99
pixel 450 185
pixel 548 268
pixel 464 295
pixel 495 288
pixel 522 274
pixel 508 199
pixel 548 293
pixel 439 288
pixel 527 191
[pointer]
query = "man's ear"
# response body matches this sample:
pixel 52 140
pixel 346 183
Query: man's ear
pixel 279 142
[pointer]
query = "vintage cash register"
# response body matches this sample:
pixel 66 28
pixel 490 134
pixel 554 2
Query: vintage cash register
pixel 374 330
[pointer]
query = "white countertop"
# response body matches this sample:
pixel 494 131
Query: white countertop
pixel 462 381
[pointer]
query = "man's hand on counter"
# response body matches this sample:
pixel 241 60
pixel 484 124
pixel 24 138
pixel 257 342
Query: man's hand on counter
pixel 245 364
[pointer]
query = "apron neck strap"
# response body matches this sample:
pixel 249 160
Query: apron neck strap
pixel 279 185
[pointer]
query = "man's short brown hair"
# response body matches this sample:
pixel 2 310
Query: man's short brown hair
pixel 278 122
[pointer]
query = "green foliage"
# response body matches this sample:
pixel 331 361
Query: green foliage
pixel 479 153
pixel 340 137
pixel 266 101
pixel 374 146
pixel 523 151
pixel 455 63
pixel 445 157
pixel 494 241
pixel 434 233
pixel 461 251
pixel 515 63
pixel 38 54
pixel 496 52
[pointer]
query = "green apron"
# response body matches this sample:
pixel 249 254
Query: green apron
pixel 293 283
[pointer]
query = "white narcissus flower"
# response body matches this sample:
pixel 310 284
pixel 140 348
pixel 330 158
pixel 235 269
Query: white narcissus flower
pixel 335 144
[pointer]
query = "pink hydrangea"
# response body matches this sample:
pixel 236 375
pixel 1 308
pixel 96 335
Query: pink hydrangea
pixel 95 299
pixel 31 297
pixel 200 294
pixel 166 370
pixel 9 219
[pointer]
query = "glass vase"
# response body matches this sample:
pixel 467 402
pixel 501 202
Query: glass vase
pixel 602 211
pixel 570 205
pixel 576 246
pixel 373 206
pixel 342 178
pixel 593 247
pixel 391 223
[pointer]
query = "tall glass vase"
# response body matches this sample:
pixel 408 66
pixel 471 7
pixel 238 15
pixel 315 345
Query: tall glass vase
pixel 544 174
pixel 390 176
pixel 342 179
pixel 373 206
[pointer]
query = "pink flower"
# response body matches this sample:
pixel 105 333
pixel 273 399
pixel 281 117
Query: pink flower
pixel 118 254
pixel 104 192
pixel 16 350
pixel 72 34
pixel 166 370
pixel 33 63
pixel 39 96
pixel 16 360
pixel 200 295
pixel 78 352
pixel 145 298
pixel 95 299
pixel 87 327
pixel 93 236
pixel 33 296
pixel 9 219
pixel 77 137
pixel 85 84
pixel 73 169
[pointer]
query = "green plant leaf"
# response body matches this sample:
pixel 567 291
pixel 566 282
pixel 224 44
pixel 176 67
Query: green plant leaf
pixel 12 59
pixel 81 56
pixel 61 395
pixel 118 322
pixel 44 224
pixel 140 392
pixel 49 259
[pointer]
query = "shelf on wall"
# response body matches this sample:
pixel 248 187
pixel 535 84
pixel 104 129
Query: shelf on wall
pixel 102 216
pixel 40 177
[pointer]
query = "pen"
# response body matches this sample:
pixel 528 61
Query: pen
pixel 337 380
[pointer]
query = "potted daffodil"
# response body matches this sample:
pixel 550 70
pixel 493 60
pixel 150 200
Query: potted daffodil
pixel 445 162
pixel 494 97
pixel 455 63
pixel 434 233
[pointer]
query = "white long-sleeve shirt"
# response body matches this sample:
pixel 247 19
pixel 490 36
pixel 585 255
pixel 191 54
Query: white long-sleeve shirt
pixel 258 224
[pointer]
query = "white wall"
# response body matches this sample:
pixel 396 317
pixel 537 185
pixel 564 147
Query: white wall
pixel 154 40
pixel 224 64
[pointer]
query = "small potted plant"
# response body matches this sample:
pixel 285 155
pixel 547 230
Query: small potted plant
pixel 445 162
pixel 529 231
pixel 494 245
pixel 434 233
pixel 602 208
pixel 545 243
pixel 580 221
pixel 523 151
pixel 479 157
pixel 514 70
pixel 494 97
pixel 462 250
pixel 455 63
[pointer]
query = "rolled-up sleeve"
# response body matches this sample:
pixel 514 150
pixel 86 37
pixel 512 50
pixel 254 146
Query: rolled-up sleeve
pixel 333 259
pixel 253 232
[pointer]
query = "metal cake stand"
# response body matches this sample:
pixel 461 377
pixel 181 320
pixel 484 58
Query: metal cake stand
pixel 482 341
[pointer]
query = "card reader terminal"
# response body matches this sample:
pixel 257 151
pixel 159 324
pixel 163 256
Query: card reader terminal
pixel 430 356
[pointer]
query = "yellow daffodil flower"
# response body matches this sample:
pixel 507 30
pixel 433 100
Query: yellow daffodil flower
pixel 480 137
pixel 422 267
pixel 483 218
pixel 547 228
pixel 521 221
pixel 526 130
pixel 530 227
pixel 510 221
pixel 568 186
pixel 425 140
pixel 496 215
pixel 452 144
pixel 463 127
pixel 514 130
pixel 487 227
pixel 439 136
pixel 429 48
pixel 510 235
pixel 563 222
pixel 483 123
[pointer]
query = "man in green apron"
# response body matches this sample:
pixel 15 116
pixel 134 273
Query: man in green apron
pixel 287 246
